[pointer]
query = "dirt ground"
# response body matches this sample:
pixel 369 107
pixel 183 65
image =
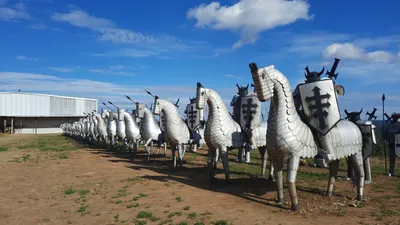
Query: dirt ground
pixel 52 179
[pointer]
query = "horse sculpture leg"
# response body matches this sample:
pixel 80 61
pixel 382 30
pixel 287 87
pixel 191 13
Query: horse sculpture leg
pixel 263 154
pixel 240 155
pixel 293 166
pixel 148 148
pixel 359 169
pixel 211 164
pixel 174 155
pixel 181 153
pixel 271 171
pixel 225 163
pixel 367 171
pixel 333 169
pixel 165 149
pixel 278 165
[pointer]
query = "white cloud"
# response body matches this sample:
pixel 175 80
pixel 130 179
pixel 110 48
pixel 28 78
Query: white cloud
pixel 344 51
pixel 62 69
pixel 14 14
pixel 39 26
pixel 42 26
pixel 113 70
pixel 21 57
pixel 82 19
pixel 229 75
pixel 249 17
pixel 20 7
pixel 104 91
pixel 107 30
pixel 350 51
pixel 134 53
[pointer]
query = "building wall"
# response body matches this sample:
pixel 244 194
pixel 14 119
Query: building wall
pixel 38 105
pixel 40 125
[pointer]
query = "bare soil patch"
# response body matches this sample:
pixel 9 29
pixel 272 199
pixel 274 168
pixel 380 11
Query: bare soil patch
pixel 52 179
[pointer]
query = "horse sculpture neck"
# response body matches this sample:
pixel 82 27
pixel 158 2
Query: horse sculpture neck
pixel 177 131
pixel 148 117
pixel 100 120
pixel 130 120
pixel 217 108
pixel 170 112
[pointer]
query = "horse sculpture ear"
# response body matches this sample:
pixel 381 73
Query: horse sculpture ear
pixel 253 67
pixel 199 85
pixel 339 89
pixel 347 113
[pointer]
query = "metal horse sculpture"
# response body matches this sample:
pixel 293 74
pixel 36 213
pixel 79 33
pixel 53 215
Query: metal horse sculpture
pixel 177 132
pixel 132 130
pixel 369 139
pixel 111 125
pixel 247 113
pixel 222 133
pixel 150 129
pixel 101 128
pixel 289 138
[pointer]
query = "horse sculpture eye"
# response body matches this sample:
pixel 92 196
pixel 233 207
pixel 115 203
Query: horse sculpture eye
pixel 202 93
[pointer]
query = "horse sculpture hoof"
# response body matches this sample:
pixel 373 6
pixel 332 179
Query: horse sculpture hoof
pixel 295 208
pixel 270 178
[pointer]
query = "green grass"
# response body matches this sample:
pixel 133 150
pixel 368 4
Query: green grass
pixel 220 222
pixel 63 155
pixel 132 206
pixel 143 195
pixel 192 215
pixel 116 218
pixel 199 223
pixel 3 149
pixel 183 223
pixel 83 193
pixel 118 202
pixel 140 222
pixel 146 215
pixel 186 208
pixel 69 191
pixel 175 214
pixel 178 199
pixel 167 221
pixel 51 143
pixel 82 209
pixel 388 212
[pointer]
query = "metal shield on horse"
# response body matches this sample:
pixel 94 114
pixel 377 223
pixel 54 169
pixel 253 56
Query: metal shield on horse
pixel 250 111
pixel 366 131
pixel 162 122
pixel 397 145
pixel 140 110
pixel 319 103
pixel 193 116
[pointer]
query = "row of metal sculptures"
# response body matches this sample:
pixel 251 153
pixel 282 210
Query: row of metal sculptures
pixel 303 124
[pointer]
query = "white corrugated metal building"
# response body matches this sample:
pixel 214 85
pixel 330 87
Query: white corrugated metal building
pixel 30 113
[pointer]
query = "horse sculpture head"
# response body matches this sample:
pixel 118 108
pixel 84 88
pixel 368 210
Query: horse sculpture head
pixel 157 106
pixel 242 90
pixel 200 96
pixel 121 114
pixel 264 81
pixel 353 116
pixel 104 113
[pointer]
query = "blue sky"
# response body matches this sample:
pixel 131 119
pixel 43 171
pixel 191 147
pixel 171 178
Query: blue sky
pixel 106 49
